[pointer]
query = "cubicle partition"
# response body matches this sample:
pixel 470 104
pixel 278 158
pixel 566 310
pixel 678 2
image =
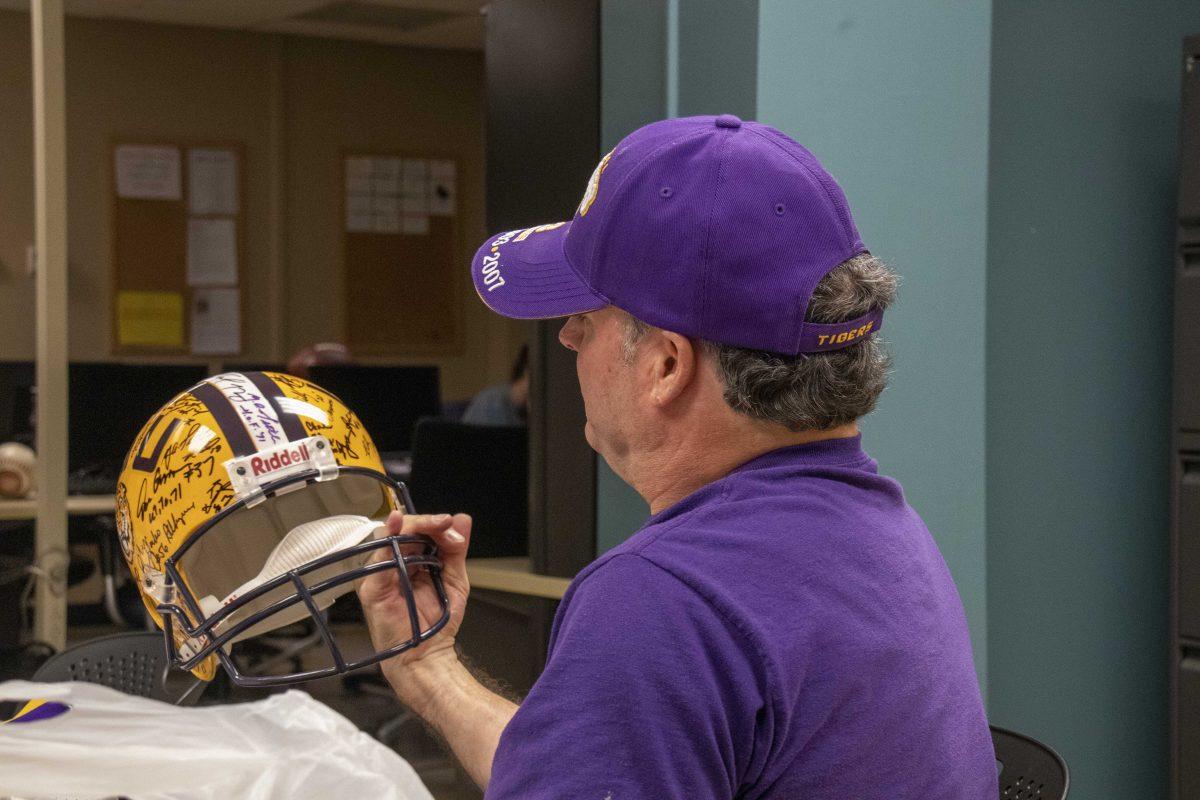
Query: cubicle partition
pixel 543 124
pixel 1185 537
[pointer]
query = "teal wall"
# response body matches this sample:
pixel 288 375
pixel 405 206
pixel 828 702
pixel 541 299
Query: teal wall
pixel 1085 99
pixel 716 60
pixel 1015 161
pixel 893 98
pixel 634 90
pixel 633 78
pixel 662 58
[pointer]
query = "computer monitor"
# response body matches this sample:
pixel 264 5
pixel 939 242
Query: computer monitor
pixel 388 400
pixel 109 404
pixel 481 470
pixel 16 400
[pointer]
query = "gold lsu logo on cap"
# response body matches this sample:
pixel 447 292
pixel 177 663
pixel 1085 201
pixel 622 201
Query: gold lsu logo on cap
pixel 593 186
pixel 525 234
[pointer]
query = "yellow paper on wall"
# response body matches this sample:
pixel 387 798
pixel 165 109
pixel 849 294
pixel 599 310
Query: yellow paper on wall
pixel 150 319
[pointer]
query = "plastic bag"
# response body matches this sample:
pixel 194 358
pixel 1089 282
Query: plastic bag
pixel 88 741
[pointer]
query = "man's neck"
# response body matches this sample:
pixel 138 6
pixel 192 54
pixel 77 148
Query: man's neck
pixel 687 463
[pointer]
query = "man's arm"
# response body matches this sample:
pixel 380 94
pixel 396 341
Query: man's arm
pixel 430 679
pixel 469 716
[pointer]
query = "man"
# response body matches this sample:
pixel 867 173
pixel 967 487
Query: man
pixel 783 626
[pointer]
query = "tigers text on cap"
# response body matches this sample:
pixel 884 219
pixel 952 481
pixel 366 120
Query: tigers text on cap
pixel 707 226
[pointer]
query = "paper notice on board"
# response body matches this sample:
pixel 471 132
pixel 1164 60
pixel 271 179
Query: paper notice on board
pixel 387 208
pixel 358 175
pixel 442 188
pixel 414 204
pixel 387 215
pixel 146 172
pixel 416 224
pixel 392 195
pixel 216 322
pixel 212 182
pixel 149 319
pixel 211 252
pixel 359 185
pixel 360 214
pixel 416 175
pixel 386 223
pixel 385 176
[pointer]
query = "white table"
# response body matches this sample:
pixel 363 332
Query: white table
pixel 53 605
pixel 514 575
pixel 80 504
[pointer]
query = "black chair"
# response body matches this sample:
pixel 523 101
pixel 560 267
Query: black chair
pixel 482 470
pixel 1029 770
pixel 133 663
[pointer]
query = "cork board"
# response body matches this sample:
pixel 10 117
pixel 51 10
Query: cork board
pixel 156 300
pixel 401 255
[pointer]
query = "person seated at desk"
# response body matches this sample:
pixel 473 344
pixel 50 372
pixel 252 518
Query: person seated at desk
pixel 503 403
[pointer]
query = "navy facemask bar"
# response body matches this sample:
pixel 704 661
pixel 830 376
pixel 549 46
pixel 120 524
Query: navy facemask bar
pixel 426 559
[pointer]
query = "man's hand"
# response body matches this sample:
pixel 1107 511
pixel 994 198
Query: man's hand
pixel 429 678
pixel 383 599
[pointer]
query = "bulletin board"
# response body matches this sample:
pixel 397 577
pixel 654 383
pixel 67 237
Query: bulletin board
pixel 402 265
pixel 177 230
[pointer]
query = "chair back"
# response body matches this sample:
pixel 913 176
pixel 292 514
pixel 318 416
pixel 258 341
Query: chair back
pixel 482 470
pixel 1029 770
pixel 133 663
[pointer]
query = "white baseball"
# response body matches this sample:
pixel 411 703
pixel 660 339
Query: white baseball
pixel 17 463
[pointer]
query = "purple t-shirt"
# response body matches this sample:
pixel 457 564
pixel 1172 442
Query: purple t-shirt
pixel 787 632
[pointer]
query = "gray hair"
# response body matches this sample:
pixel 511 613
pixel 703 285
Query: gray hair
pixel 810 391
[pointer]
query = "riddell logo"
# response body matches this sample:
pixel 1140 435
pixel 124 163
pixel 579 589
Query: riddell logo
pixel 284 458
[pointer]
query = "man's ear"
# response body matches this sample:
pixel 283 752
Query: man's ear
pixel 674 366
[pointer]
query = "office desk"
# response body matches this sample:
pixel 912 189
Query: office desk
pixel 514 575
pixel 80 504
pixel 506 629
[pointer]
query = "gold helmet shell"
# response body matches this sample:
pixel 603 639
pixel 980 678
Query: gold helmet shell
pixel 217 485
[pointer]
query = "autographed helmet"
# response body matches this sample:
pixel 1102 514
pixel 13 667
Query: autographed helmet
pixel 255 500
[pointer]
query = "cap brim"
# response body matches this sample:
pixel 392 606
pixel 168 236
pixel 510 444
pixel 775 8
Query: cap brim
pixel 525 274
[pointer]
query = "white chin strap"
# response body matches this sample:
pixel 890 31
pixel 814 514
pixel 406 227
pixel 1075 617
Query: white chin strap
pixel 302 545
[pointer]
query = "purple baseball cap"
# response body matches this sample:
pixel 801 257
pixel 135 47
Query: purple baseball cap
pixel 706 226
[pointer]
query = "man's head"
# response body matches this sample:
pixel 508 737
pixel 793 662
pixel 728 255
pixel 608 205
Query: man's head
pixel 717 292
pixel 808 391
pixel 645 388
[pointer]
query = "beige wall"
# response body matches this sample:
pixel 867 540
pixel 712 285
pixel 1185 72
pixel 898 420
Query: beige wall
pixel 296 105
pixel 16 186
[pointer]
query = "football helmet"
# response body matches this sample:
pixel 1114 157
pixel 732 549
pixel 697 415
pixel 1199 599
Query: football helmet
pixel 252 501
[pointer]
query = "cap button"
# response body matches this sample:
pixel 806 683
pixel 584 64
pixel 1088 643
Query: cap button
pixel 728 121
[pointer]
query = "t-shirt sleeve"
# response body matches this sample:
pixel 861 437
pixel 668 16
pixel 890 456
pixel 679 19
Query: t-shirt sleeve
pixel 491 406
pixel 648 693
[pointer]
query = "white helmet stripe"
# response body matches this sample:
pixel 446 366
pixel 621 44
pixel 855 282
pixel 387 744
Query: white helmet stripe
pixel 256 412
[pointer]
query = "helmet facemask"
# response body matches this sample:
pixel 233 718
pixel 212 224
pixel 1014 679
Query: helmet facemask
pixel 287 555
